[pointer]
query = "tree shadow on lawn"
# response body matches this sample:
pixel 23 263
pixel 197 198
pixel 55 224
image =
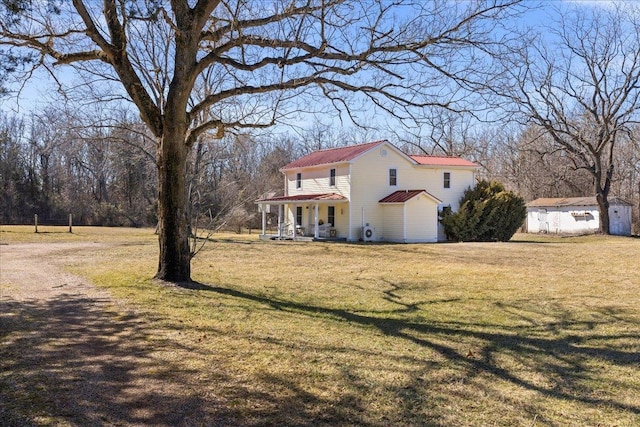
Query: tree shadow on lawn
pixel 563 351
pixel 71 360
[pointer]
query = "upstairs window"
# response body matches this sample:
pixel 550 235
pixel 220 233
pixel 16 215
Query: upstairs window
pixel 446 181
pixel 298 180
pixel 393 177
pixel 332 178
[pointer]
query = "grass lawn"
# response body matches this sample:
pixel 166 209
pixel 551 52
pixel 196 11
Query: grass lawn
pixel 539 331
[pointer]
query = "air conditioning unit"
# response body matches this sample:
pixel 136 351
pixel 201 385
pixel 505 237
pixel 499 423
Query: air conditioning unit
pixel 368 233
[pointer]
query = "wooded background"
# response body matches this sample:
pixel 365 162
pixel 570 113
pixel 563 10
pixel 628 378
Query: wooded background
pixel 55 162
pixel 545 98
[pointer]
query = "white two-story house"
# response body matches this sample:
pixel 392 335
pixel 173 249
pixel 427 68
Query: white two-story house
pixel 371 192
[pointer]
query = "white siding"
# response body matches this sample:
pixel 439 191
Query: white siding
pixel 536 221
pixel 411 222
pixel 421 220
pixel 370 183
pixel 560 220
pixel 365 181
pixel 620 220
pixel 316 180
pixel 393 223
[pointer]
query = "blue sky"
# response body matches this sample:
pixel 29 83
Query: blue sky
pixel 41 90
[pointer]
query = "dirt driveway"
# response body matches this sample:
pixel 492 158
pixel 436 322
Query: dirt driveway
pixel 71 355
pixel 31 272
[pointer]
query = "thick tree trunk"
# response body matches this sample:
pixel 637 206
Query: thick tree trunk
pixel 174 264
pixel 603 205
pixel 603 186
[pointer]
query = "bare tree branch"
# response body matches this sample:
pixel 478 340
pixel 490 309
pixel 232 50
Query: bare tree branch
pixel 263 61
pixel 585 93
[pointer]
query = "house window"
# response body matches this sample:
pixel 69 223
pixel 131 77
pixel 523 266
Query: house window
pixel 298 180
pixel 393 177
pixel 332 178
pixel 447 180
pixel 331 216
pixel 299 215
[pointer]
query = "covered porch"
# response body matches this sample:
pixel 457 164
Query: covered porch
pixel 298 217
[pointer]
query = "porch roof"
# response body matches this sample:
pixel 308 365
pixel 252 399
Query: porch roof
pixel 304 198
pixel 403 196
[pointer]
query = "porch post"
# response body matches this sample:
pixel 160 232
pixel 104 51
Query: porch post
pixel 295 222
pixel 316 234
pixel 264 219
pixel 280 221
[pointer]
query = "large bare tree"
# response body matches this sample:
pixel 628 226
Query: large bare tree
pixel 267 61
pixel 579 82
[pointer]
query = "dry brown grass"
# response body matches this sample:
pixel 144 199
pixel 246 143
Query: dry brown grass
pixel 539 331
pixel 60 234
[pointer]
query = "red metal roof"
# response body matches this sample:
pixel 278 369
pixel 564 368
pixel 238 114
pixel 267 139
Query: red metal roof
pixel 332 155
pixel 304 198
pixel 402 196
pixel 346 154
pixel 443 161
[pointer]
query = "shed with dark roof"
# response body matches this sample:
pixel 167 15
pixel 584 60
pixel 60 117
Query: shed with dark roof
pixel 577 215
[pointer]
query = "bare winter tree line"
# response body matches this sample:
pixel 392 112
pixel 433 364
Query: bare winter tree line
pixel 54 164
pixel 103 171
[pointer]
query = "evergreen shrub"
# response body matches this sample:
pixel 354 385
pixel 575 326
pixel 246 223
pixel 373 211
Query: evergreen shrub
pixel 487 213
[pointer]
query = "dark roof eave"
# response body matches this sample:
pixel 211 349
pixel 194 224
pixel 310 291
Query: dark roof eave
pixel 557 202
pixel 454 167
pixel 284 169
pixel 307 198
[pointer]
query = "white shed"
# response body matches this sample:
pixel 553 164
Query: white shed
pixel 577 215
pixel 410 216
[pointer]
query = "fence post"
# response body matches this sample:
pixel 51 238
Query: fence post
pixel 70 223
pixel 35 220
